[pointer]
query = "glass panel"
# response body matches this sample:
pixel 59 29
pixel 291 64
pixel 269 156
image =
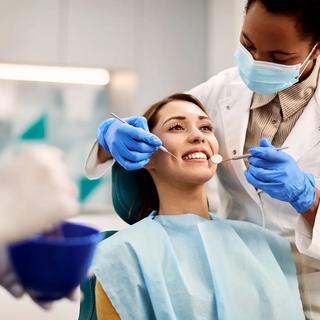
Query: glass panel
pixel 65 116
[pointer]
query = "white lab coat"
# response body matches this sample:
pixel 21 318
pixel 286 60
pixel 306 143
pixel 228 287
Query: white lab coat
pixel 228 101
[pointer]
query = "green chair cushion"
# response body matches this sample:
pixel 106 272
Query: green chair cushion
pixel 125 192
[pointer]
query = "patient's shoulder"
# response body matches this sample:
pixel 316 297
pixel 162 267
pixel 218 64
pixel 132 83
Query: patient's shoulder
pixel 130 247
pixel 132 235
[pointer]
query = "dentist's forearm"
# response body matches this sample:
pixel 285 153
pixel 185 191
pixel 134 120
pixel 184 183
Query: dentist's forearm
pixel 311 214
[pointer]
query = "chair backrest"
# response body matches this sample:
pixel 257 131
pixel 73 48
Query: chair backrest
pixel 88 303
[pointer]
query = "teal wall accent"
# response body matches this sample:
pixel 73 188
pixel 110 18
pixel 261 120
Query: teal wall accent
pixel 37 130
pixel 87 187
pixel 63 116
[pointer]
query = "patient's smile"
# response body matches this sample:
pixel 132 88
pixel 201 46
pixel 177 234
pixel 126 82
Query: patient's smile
pixel 196 155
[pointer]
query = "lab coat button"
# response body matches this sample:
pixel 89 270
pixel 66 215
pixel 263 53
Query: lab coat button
pixel 234 152
pixel 228 107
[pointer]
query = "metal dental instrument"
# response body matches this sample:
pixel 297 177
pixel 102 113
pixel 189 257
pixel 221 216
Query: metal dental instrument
pixel 161 147
pixel 247 155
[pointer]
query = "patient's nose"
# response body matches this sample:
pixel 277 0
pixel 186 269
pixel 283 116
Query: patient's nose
pixel 196 136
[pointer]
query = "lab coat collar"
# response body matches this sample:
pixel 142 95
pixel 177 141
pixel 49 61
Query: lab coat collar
pixel 308 125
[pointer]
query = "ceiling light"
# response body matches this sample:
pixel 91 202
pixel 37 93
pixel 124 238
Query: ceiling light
pixel 89 76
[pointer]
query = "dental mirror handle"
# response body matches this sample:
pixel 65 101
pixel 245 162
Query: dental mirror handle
pixel 217 158
pixel 247 155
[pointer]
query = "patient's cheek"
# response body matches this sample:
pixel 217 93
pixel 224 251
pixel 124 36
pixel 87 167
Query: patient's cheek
pixel 214 144
pixel 170 143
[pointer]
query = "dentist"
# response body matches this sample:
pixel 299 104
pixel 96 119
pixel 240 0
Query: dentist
pixel 272 98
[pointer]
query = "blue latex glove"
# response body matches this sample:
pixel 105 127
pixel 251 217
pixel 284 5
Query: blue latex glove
pixel 131 144
pixel 277 174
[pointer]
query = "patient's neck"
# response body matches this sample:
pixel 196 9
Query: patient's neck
pixel 177 199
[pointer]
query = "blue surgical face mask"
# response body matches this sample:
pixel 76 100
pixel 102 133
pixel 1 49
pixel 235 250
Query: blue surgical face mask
pixel 267 77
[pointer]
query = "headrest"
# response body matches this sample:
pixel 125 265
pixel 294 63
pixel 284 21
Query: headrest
pixel 125 190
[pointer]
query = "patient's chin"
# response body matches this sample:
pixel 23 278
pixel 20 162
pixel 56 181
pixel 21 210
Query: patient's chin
pixel 197 177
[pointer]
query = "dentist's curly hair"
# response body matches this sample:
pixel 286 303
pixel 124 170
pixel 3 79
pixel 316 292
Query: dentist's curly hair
pixel 305 12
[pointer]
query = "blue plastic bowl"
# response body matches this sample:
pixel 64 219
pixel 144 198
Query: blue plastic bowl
pixel 50 268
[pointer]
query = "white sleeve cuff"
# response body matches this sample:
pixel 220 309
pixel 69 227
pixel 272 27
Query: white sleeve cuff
pixel 93 168
pixel 308 238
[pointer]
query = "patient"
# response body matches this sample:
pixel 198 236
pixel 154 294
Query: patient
pixel 181 261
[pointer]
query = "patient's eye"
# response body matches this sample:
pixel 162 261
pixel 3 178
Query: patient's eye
pixel 176 127
pixel 206 128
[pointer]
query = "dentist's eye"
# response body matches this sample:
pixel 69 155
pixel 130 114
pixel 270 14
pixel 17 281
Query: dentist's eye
pixel 249 47
pixel 281 61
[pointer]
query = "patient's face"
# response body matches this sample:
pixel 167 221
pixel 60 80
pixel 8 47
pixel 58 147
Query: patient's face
pixel 187 132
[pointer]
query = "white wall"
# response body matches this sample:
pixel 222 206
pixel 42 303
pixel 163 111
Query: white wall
pixel 174 48
pixel 163 41
pixel 29 31
pixel 225 19
pixel 171 44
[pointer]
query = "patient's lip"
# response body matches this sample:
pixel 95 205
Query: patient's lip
pixel 203 150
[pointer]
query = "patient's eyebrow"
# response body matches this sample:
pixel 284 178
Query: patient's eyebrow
pixel 183 118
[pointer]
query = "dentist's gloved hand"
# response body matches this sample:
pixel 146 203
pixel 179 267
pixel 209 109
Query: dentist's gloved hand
pixel 131 144
pixel 277 174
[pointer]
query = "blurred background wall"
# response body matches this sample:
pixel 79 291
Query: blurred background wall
pixel 151 48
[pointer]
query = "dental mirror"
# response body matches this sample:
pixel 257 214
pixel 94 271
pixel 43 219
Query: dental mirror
pixel 216 159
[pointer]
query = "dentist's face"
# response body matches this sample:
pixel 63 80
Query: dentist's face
pixel 187 132
pixel 275 38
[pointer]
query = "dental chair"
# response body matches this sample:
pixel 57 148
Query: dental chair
pixel 125 186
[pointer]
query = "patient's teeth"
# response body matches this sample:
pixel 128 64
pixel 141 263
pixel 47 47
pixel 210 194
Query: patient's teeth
pixel 195 155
